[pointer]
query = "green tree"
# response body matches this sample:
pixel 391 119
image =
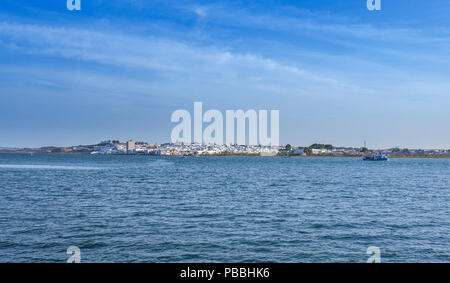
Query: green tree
pixel 322 146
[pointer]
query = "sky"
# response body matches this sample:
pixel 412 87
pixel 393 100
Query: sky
pixel 337 72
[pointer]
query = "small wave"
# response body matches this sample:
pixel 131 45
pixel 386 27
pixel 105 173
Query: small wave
pixel 47 167
pixel 160 163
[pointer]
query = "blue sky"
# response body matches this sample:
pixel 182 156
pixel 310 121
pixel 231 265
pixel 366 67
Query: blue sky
pixel 117 69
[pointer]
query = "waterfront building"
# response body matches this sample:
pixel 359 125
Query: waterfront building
pixel 131 146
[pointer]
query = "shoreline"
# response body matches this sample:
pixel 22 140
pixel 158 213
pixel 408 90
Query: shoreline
pixel 395 156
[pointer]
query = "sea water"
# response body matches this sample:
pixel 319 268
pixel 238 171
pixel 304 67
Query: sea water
pixel 222 209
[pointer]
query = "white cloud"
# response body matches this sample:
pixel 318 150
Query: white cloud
pixel 201 11
pixel 168 58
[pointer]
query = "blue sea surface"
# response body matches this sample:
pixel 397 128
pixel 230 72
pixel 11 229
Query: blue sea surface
pixel 222 209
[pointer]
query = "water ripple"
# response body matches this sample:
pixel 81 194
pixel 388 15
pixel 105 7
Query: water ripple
pixel 222 209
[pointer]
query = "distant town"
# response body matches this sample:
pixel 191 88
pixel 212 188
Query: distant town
pixel 131 147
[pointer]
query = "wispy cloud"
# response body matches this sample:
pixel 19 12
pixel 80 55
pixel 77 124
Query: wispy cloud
pixel 201 11
pixel 150 54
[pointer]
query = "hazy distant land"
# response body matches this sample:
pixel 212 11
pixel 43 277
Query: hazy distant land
pixel 142 148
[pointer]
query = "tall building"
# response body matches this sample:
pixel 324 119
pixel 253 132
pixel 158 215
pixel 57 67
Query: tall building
pixel 130 146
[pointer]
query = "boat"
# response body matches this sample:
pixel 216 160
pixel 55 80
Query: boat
pixel 376 157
